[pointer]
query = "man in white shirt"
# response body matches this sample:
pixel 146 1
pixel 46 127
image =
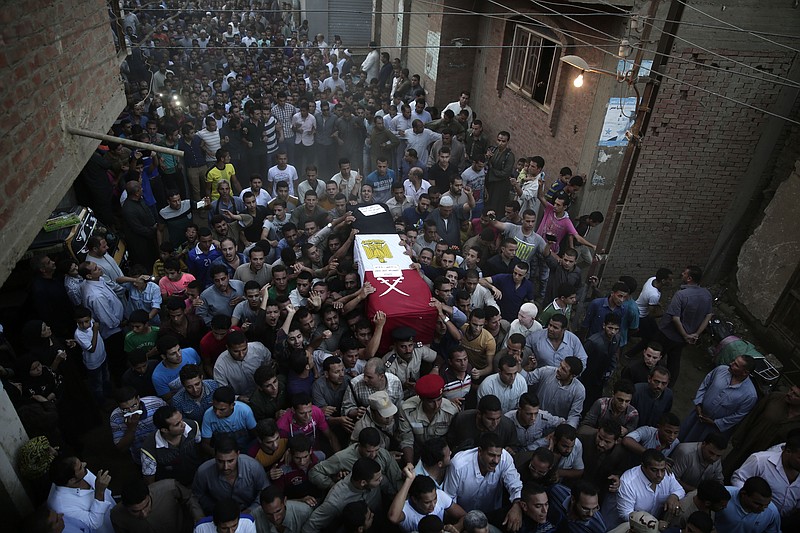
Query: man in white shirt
pixel 560 393
pixel 346 178
pixel 649 488
pixel 226 517
pixel 525 322
pixel 304 125
pixel 461 104
pixel 663 438
pixel 474 176
pixel 371 65
pixel 650 309
pixel 236 365
pixel 263 198
pixel 283 171
pixel 210 140
pixel 420 138
pixel 78 494
pixel 420 112
pixel 334 82
pixel 417 498
pixel 507 384
pixel 476 477
pixel 480 296
pixel 780 467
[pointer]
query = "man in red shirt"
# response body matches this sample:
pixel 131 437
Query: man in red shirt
pixel 215 342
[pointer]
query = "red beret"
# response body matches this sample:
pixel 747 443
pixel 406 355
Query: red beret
pixel 430 387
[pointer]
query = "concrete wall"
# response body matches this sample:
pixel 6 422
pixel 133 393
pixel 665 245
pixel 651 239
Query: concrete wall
pixel 61 68
pixel 390 22
pixel 770 256
pixel 425 23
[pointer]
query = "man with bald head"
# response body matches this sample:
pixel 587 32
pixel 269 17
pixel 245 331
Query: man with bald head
pixel 140 228
pixel 419 138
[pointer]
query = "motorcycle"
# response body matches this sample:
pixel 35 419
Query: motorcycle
pixel 726 347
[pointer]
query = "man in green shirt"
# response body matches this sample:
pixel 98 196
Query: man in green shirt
pixel 142 336
pixel 562 304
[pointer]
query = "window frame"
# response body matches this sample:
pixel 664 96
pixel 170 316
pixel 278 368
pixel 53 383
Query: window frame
pixel 520 76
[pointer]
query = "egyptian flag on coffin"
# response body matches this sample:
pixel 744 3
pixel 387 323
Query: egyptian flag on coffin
pixel 400 291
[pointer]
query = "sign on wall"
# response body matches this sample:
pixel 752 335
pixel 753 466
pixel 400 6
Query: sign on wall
pixel 620 115
pixel 432 54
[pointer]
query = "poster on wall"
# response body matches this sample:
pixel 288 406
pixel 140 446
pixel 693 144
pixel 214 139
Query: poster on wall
pixel 620 115
pixel 432 54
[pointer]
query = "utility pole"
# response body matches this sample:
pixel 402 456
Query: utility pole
pixel 644 112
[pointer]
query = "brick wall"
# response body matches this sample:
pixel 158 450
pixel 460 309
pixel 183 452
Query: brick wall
pixel 456 65
pixel 692 162
pixel 59 68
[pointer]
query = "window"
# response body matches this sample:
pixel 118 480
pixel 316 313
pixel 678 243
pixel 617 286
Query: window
pixel 532 64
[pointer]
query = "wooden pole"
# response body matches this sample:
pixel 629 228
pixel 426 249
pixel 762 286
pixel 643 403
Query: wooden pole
pixel 645 106
pixel 126 142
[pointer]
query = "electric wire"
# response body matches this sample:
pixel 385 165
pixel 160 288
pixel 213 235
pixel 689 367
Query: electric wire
pixel 737 28
pixel 589 11
pixel 784 81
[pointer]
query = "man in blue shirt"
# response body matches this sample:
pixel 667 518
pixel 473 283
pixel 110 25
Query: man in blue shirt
pixel 381 180
pixel 600 307
pixel 510 290
pixel 579 509
pixel 416 216
pixel 226 415
pixel 201 256
pixel 166 378
pixel 195 397
pixel 750 509
pixel 685 319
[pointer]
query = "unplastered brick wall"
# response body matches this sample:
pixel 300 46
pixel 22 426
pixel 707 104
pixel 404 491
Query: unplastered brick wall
pixel 693 161
pixel 59 68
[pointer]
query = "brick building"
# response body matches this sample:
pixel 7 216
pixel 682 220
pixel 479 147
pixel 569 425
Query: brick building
pixel 60 68
pixel 708 168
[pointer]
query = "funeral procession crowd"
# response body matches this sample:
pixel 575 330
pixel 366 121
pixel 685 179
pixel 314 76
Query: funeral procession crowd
pixel 252 380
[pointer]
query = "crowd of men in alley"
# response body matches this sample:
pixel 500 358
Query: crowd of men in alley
pixel 237 366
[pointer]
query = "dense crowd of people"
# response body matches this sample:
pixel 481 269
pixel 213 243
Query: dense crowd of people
pixel 238 369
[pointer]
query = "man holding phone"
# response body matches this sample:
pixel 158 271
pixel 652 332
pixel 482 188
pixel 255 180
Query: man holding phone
pixel 554 227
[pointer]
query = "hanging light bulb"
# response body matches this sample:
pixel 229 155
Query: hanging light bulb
pixel 578 81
